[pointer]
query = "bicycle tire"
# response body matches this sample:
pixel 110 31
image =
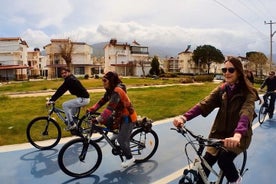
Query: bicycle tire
pixel 262 114
pixel 69 158
pixel 43 133
pixel 143 144
pixel 84 125
pixel 240 162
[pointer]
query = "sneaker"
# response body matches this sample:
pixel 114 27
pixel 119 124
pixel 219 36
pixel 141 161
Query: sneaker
pixel 128 162
pixel 71 127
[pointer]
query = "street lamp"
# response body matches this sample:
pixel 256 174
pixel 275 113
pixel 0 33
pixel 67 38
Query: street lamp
pixel 271 35
pixel 198 64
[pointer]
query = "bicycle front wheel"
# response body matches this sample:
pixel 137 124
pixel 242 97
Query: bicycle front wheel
pixel 43 133
pixel 262 114
pixel 143 144
pixel 77 158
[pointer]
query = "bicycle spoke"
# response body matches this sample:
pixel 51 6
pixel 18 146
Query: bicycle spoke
pixel 43 133
pixel 78 160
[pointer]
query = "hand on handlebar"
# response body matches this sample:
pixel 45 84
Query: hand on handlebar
pixel 232 142
pixel 90 110
pixel 179 121
pixel 49 103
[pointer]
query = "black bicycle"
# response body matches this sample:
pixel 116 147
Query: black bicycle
pixel 44 132
pixel 82 156
pixel 194 170
pixel 263 112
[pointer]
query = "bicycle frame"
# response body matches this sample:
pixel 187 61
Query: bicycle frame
pixel 87 154
pixel 195 169
pixel 264 107
pixel 116 150
pixel 60 112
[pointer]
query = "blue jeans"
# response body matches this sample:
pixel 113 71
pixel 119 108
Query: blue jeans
pixel 71 106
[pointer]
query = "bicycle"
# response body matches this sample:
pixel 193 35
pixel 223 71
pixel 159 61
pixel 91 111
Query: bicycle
pixel 82 156
pixel 264 107
pixel 194 170
pixel 44 132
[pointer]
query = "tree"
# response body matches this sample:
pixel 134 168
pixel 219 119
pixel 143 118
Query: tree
pixel 142 62
pixel 66 49
pixel 155 70
pixel 207 54
pixel 258 59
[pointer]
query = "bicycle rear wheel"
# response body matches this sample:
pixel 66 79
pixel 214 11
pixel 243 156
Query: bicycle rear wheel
pixel 77 158
pixel 143 144
pixel 43 133
pixel 262 114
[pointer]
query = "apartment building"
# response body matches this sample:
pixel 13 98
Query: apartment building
pixel 126 59
pixel 13 59
pixel 34 62
pixel 80 53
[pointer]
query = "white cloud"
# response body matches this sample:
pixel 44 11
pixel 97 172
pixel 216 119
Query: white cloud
pixel 234 27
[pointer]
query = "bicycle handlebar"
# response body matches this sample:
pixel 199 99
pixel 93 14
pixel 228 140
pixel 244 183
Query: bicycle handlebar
pixel 199 138
pixel 270 92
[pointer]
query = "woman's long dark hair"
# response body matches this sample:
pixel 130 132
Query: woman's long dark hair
pixel 113 78
pixel 244 83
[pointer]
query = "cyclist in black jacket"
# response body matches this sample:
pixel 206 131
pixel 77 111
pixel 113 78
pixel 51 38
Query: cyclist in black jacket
pixel 270 83
pixel 75 87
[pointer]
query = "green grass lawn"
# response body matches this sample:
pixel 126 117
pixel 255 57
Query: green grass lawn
pixel 154 102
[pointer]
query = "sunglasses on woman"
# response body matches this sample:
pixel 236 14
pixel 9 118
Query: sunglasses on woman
pixel 230 70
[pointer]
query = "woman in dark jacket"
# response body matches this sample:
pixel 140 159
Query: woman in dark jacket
pixel 235 99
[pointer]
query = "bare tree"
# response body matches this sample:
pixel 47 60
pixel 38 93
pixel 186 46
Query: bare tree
pixel 66 50
pixel 142 62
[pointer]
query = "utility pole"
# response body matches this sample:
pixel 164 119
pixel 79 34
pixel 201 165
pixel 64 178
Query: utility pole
pixel 271 35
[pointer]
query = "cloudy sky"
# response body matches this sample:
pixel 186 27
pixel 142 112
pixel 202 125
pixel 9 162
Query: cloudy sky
pixel 233 26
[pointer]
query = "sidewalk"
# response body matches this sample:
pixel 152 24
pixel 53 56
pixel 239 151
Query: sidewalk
pixel 96 90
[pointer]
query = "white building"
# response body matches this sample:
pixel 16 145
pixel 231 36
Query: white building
pixel 13 59
pixel 126 59
pixel 81 62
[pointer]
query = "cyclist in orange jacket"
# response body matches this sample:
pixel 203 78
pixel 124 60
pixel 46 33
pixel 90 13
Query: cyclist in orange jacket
pixel 120 108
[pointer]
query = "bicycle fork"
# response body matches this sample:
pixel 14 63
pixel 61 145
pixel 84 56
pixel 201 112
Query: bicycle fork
pixel 45 131
pixel 84 149
pixel 196 172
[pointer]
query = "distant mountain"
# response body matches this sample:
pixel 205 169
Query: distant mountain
pixel 163 52
pixel 98 49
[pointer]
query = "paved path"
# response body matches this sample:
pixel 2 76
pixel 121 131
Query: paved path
pixel 25 164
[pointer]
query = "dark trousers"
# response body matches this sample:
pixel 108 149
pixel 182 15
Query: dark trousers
pixel 225 162
pixel 271 105
pixel 124 137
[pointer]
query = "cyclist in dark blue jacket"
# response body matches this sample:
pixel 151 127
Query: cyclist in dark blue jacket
pixel 270 83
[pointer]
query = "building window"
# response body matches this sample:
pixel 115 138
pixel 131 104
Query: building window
pixel 79 70
pixel 139 50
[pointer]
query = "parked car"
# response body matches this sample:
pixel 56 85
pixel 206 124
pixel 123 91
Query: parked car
pixel 219 77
